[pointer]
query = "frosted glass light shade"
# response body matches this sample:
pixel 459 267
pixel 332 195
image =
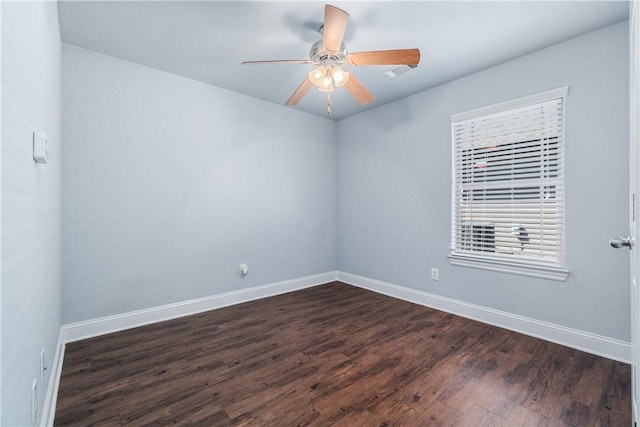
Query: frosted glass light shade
pixel 327 88
pixel 340 76
pixel 316 75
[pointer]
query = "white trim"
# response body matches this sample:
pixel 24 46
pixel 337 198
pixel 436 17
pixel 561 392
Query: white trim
pixel 51 398
pixel 551 273
pixel 591 343
pixel 105 325
pixel 634 164
pixel 535 98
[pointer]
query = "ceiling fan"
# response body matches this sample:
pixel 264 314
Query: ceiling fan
pixel 330 53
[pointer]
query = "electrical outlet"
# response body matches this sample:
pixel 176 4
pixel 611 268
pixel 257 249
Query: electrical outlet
pixel 244 269
pixel 435 274
pixel 42 366
pixel 34 401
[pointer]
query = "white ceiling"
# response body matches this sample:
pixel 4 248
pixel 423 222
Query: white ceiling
pixel 207 41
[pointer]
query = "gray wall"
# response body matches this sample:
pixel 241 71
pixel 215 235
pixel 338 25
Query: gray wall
pixel 169 184
pixel 395 187
pixel 30 203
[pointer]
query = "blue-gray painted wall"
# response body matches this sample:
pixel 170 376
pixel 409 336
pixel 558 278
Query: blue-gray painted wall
pixel 169 184
pixel 30 203
pixel 395 174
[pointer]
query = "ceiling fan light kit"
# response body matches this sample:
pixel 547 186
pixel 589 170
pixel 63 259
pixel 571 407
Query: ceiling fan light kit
pixel 326 78
pixel 329 54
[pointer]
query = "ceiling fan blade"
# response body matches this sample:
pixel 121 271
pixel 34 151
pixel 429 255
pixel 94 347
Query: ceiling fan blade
pixel 300 92
pixel 385 57
pixel 335 23
pixel 358 90
pixel 278 61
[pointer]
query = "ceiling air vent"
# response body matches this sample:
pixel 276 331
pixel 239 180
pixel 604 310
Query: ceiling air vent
pixel 395 71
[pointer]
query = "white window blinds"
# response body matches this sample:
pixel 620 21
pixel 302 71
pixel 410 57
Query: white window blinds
pixel 508 201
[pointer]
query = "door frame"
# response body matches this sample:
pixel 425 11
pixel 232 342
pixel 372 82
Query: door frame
pixel 634 176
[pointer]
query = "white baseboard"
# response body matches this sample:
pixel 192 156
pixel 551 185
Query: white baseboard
pixel 49 406
pixel 581 340
pixel 119 322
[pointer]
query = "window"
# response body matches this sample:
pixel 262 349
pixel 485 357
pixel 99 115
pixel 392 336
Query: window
pixel 508 186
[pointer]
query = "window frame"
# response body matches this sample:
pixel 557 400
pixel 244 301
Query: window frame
pixel 533 268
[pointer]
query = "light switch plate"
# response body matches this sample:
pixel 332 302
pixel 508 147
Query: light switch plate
pixel 40 147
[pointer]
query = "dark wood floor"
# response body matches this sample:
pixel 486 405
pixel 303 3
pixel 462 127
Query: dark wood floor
pixel 336 355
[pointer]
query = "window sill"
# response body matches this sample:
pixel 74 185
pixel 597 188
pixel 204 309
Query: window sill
pixel 549 273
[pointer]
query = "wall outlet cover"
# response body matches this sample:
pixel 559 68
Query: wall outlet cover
pixel 244 269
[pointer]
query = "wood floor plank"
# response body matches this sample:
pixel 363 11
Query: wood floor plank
pixel 335 355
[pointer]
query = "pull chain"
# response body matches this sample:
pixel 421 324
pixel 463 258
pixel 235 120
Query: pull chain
pixel 328 103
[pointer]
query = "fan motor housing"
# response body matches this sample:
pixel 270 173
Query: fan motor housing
pixel 319 55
